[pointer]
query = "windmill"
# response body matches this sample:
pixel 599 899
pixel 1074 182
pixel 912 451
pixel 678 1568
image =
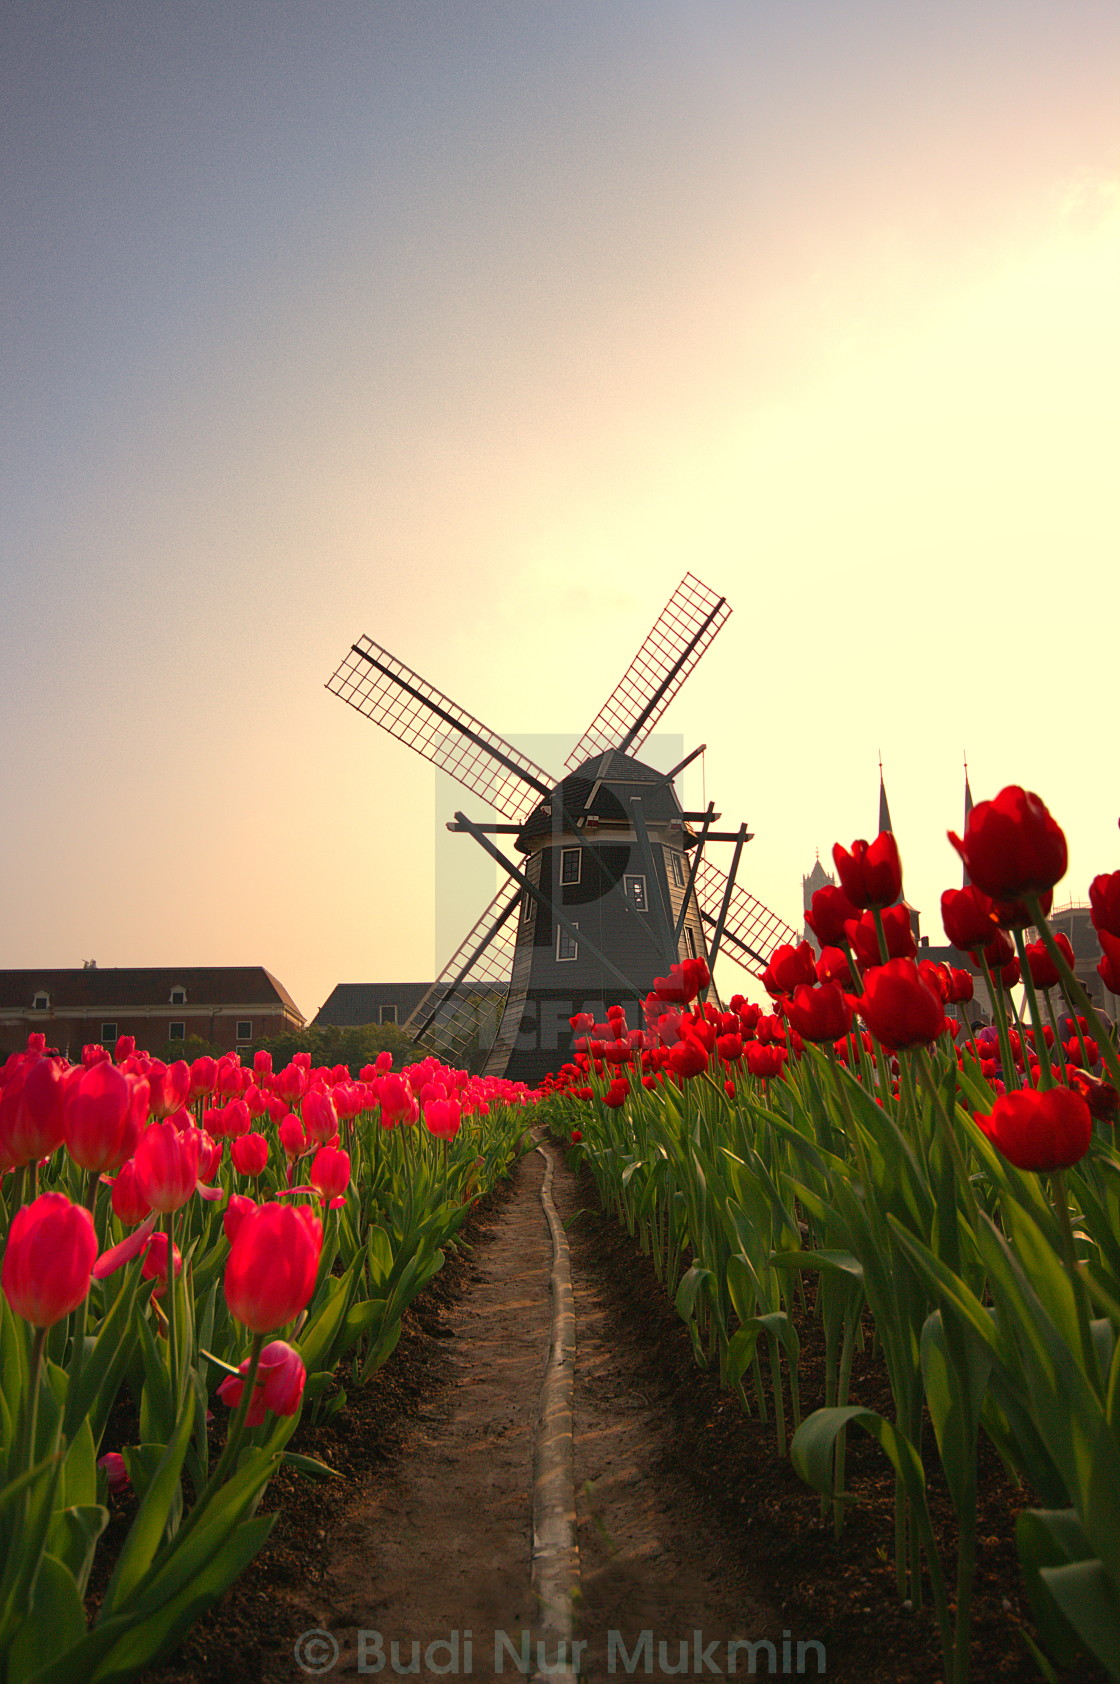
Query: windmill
pixel 615 883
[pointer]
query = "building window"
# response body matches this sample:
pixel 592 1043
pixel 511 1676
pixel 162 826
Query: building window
pixel 678 868
pixel 41 1003
pixel 528 905
pixel 566 945
pixel 108 1032
pixel 690 943
pixel 244 1029
pixel 388 1014
pixel 635 888
pixel 569 864
pixel 177 1032
pixel 178 996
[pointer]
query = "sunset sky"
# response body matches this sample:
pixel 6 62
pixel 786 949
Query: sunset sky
pixel 473 326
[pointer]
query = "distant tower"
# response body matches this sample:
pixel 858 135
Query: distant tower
pixel 967 811
pixel 818 878
pixel 885 824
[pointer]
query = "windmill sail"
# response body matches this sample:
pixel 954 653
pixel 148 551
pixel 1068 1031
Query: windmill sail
pixel 459 1015
pixel 385 690
pixel 751 931
pixel 680 635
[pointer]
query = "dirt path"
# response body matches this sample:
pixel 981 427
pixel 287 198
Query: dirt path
pixel 438 1545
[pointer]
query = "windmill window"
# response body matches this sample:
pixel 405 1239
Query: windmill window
pixel 567 947
pixel 244 1029
pixel 636 892
pixel 690 943
pixel 388 1014
pixel 569 865
pixel 678 868
pixel 41 1003
pixel 178 996
pixel 177 1032
pixel 108 1032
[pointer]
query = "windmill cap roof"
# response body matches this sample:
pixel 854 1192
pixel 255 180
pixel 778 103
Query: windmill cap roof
pixel 606 782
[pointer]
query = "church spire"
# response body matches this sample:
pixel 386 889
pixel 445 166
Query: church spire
pixel 967 810
pixel 884 810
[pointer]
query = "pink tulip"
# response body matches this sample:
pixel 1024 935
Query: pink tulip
pixel 330 1171
pixel 249 1154
pixel 272 1265
pixel 50 1254
pixel 279 1383
pixel 102 1111
pixel 239 1207
pixel 129 1203
pixel 115 1470
pixel 166 1165
pixel 319 1116
pixel 155 1262
pixel 442 1118
pixel 31 1112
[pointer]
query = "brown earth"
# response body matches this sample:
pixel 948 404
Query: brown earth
pixel 688 1521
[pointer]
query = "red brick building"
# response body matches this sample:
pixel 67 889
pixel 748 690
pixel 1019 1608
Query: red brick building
pixel 229 1006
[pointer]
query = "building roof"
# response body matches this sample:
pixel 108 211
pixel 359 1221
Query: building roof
pixel 93 988
pixel 360 1002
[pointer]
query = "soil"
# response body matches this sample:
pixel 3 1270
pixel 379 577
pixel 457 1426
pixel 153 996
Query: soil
pixel 688 1521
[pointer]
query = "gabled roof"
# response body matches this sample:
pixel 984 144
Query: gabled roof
pixel 94 988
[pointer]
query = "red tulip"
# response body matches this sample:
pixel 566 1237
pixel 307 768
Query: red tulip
pixel 788 967
pixel 1040 1130
pixel 864 937
pixel 1109 967
pixel 688 1058
pixel 828 913
pixel 1012 846
pixel 249 1154
pixel 278 1386
pixel 899 1008
pixel 764 1060
pixel 577 1136
pixel 871 874
pixel 819 1014
pixel 833 966
pixel 730 1047
pixel 1104 902
pixel 961 986
pixel 166 1166
pixel 968 916
pixel 272 1265
pixel 50 1253
pixel 617 1094
pixel 1044 972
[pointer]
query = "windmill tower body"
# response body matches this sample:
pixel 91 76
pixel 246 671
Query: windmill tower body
pixel 613 883
pixel 607 853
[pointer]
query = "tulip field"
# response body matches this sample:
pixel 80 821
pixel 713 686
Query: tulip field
pixel 858 1155
pixel 220 1243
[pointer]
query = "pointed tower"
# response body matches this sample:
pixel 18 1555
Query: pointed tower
pixel 884 810
pixel 885 824
pixel 818 878
pixel 967 810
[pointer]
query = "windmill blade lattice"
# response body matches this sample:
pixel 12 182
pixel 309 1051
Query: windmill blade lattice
pixel 751 931
pixel 680 635
pixel 387 691
pixel 469 995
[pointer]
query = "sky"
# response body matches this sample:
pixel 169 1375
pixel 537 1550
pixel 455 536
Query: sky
pixel 473 328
